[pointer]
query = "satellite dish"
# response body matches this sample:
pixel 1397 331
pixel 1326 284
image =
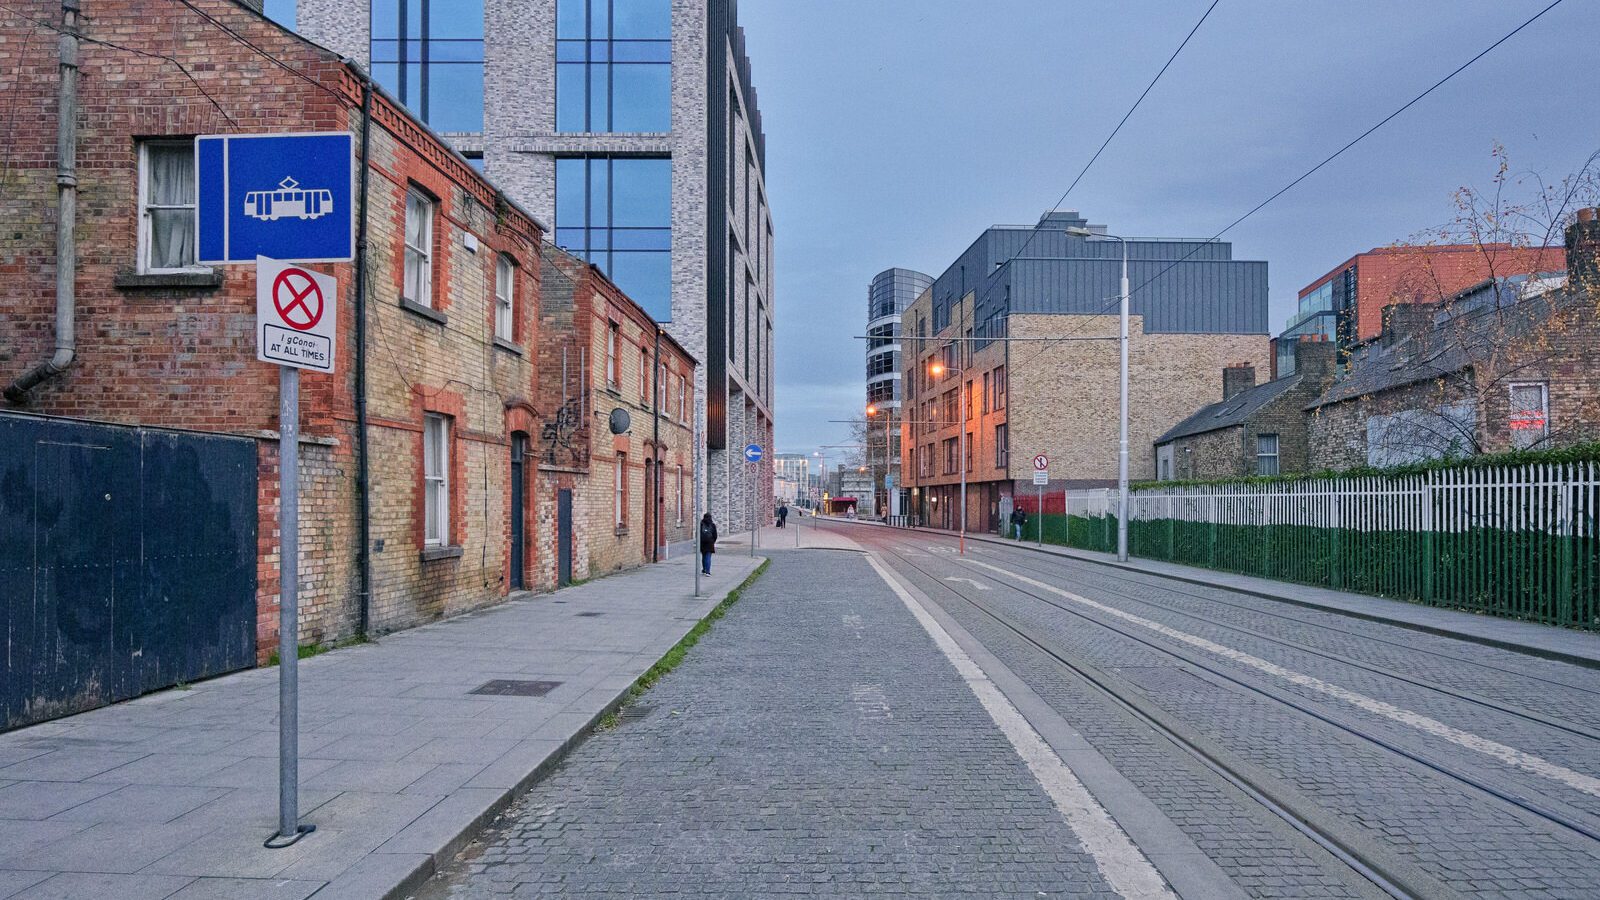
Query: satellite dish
pixel 620 421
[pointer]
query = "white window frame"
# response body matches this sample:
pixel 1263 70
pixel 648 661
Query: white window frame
pixel 683 398
pixel 613 351
pixel 143 261
pixel 620 508
pixel 1544 409
pixel 644 374
pixel 505 297
pixel 1275 455
pixel 680 493
pixel 435 479
pixel 428 209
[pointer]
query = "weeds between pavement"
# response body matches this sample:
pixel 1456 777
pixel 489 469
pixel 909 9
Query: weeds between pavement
pixel 674 656
pixel 309 650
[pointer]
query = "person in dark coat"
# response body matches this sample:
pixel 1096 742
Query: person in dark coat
pixel 783 514
pixel 708 542
pixel 1019 517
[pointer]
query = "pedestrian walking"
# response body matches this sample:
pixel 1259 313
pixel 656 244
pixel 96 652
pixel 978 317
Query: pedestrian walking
pixel 783 514
pixel 708 542
pixel 1019 518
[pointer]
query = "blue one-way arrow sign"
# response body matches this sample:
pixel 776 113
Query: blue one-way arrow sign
pixel 752 453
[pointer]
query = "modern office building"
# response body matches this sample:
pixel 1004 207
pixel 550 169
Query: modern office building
pixel 1052 390
pixel 632 127
pixel 1346 305
pixel 890 292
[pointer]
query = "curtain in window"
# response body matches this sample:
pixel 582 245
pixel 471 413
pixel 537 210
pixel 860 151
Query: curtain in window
pixel 170 198
pixel 418 213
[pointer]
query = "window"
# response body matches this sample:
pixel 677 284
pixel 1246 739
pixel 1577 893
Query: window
pixel 621 483
pixel 613 344
pixel 644 374
pixel 972 400
pixel 429 54
pixel 683 398
pixel 986 391
pixel 419 249
pixel 436 480
pixel 880 364
pixel 680 494
pixel 969 452
pixel 166 206
pixel 1002 450
pixel 613 65
pixel 617 214
pixel 1266 454
pixel 1530 414
pixel 1000 388
pixel 505 280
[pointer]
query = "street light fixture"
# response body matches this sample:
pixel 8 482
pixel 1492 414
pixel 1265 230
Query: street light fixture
pixel 939 369
pixel 1122 439
pixel 888 457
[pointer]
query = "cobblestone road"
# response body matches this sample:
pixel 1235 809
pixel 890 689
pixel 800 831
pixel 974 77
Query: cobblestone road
pixel 814 742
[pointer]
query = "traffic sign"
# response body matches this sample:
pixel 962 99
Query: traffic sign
pixel 1041 462
pixel 1041 477
pixel 295 315
pixel 752 453
pixel 283 196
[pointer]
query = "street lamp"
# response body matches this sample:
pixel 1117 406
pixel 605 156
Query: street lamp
pixel 961 435
pixel 888 463
pixel 1122 440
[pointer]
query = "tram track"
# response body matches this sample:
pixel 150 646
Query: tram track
pixel 1394 875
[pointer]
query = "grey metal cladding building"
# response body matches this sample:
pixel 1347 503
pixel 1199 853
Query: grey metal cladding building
pixel 1178 285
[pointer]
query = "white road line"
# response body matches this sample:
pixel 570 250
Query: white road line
pixel 1509 755
pixel 972 581
pixel 1120 863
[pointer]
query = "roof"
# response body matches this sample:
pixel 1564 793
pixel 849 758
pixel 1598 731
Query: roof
pixel 1462 332
pixel 1235 410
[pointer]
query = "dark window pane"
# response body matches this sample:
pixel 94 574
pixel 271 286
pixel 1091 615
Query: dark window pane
pixel 641 51
pixel 643 19
pixel 647 278
pixel 455 97
pixel 571 16
pixel 642 98
pixel 455 19
pixel 572 103
pixel 643 195
pixel 569 51
pixel 570 193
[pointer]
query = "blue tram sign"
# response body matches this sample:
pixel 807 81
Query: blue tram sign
pixel 284 196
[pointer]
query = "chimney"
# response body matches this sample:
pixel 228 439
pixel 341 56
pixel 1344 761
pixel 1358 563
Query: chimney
pixel 1406 320
pixel 1314 358
pixel 1236 379
pixel 1583 251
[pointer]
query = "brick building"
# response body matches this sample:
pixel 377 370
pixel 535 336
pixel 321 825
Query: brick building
pixel 1192 306
pixel 1255 429
pixel 1507 364
pixel 627 496
pixel 165 365
pixel 1346 305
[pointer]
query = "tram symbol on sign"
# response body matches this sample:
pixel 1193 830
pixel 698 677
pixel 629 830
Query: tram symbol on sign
pixel 297 298
pixel 289 199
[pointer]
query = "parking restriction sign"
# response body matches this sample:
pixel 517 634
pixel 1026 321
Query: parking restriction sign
pixel 295 315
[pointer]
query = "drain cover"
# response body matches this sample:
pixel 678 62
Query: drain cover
pixel 501 687
pixel 635 711
pixel 590 615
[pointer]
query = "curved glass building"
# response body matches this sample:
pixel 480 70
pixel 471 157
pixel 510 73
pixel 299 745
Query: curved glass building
pixel 890 292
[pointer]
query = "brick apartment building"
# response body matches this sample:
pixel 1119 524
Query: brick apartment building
pixel 1346 304
pixel 1191 308
pixel 140 516
pixel 623 498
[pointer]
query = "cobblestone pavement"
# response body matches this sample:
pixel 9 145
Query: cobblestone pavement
pixel 814 742
pixel 1458 837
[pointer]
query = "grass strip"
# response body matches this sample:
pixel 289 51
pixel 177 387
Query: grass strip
pixel 674 656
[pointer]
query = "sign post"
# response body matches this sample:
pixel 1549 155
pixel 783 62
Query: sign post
pixel 295 329
pixel 1041 477
pixel 752 455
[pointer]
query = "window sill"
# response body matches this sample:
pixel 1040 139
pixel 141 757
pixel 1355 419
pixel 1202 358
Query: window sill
pixel 620 531
pixel 133 281
pixel 426 312
pixel 509 347
pixel 429 554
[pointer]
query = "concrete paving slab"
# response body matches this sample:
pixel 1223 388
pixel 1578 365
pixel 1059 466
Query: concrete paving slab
pixel 12 881
pixel 378 876
pixel 78 886
pixel 168 768
pixel 67 764
pixel 43 799
pixel 362 775
pixel 106 848
pixel 140 803
pixel 246 889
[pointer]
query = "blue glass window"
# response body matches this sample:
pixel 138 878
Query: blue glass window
pixel 282 12
pixel 616 212
pixel 613 65
pixel 429 54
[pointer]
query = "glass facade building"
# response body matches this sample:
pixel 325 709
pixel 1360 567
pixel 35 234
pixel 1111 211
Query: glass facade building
pixel 429 54
pixel 616 212
pixel 613 66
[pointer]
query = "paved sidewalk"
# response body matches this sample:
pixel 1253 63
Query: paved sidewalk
pixel 796 535
pixel 171 795
pixel 1535 639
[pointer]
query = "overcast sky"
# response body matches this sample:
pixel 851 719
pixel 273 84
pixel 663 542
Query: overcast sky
pixel 897 130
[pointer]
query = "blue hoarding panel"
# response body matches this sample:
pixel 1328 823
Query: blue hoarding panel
pixel 282 196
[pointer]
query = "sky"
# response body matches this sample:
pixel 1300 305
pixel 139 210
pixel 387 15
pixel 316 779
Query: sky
pixel 898 130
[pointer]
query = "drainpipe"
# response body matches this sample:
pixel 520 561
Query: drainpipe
pixel 66 213
pixel 363 470
pixel 655 451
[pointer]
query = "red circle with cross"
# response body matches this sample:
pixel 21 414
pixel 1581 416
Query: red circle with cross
pixel 297 298
pixel 1041 462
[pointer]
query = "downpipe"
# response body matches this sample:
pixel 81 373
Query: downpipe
pixel 66 214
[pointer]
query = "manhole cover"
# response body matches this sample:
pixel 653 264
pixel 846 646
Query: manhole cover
pixel 590 615
pixel 502 687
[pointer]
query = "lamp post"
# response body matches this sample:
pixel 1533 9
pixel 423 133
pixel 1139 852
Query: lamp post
pixel 1122 438
pixel 888 465
pixel 961 446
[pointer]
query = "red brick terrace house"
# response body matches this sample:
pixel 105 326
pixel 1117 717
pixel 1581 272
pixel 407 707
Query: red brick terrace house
pixel 139 509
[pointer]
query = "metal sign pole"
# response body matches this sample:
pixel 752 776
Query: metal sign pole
pixel 289 828
pixel 698 560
